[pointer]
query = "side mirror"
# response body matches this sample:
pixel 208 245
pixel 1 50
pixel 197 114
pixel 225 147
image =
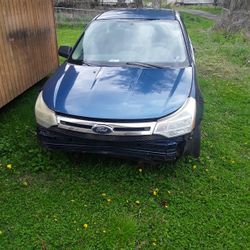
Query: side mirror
pixel 64 51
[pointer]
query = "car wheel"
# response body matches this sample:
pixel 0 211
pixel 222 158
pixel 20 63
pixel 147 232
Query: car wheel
pixel 195 144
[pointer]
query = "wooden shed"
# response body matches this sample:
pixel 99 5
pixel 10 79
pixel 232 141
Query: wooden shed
pixel 28 46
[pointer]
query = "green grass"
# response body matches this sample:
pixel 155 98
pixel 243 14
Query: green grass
pixel 202 204
pixel 216 10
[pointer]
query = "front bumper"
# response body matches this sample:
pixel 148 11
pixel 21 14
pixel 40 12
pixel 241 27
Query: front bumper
pixel 147 147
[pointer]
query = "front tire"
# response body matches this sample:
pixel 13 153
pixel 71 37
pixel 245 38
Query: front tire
pixel 195 143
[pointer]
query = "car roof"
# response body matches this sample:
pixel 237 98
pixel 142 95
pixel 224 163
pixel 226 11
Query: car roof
pixel 150 14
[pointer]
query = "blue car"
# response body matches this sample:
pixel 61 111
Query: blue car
pixel 128 88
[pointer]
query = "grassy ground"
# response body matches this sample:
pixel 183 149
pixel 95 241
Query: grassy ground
pixel 53 200
pixel 209 8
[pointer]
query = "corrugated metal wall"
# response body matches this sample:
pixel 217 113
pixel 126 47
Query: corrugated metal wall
pixel 28 48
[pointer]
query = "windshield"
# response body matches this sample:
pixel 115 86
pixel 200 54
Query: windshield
pixel 126 41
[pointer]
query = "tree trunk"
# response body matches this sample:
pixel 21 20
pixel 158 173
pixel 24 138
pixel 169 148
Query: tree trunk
pixel 138 3
pixel 233 5
pixel 237 18
pixel 239 5
pixel 156 4
pixel 121 3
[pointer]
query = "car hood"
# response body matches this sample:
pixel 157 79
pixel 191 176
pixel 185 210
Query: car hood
pixel 123 93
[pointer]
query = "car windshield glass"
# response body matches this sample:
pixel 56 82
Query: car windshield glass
pixel 112 42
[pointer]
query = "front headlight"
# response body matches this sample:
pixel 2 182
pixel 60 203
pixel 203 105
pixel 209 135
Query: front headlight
pixel 180 123
pixel 44 116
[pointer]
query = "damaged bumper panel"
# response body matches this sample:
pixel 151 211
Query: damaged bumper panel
pixel 145 147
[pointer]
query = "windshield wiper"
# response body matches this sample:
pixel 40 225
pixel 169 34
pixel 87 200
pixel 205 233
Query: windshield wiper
pixel 79 62
pixel 87 63
pixel 94 64
pixel 141 64
pixel 147 65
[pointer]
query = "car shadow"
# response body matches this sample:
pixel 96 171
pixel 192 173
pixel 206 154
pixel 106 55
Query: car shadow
pixel 110 162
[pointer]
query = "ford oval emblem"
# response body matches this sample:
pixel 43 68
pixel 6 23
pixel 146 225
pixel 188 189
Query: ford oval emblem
pixel 102 129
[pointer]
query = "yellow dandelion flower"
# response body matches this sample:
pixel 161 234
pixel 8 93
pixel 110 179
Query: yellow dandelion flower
pixel 25 183
pixel 194 167
pixel 9 166
pixel 85 226
pixel 154 242
pixel 103 194
pixel 155 191
pixel 109 200
pixel 166 206
pixel 206 170
pixel 137 202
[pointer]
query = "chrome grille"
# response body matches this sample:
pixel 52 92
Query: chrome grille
pixel 86 126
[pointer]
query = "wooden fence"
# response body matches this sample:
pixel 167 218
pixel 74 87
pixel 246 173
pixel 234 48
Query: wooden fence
pixel 28 47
